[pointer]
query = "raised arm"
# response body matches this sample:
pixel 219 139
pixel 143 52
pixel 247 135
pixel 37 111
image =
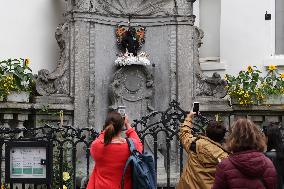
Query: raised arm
pixel 185 134
pixel 131 133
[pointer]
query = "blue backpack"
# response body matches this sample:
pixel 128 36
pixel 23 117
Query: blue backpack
pixel 143 168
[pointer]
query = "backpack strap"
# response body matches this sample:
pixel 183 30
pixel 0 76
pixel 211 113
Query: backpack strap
pixel 124 171
pixel 132 150
pixel 131 145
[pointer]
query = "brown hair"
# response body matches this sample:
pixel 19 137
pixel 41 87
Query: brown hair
pixel 113 125
pixel 215 131
pixel 245 135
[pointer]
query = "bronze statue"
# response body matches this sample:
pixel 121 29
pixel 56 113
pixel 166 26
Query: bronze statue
pixel 130 40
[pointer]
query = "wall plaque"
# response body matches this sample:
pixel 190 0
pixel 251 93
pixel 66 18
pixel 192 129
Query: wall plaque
pixel 28 162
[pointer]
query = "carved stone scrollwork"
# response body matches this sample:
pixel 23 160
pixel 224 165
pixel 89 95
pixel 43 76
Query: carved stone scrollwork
pixel 84 5
pixel 207 86
pixel 133 7
pixel 132 86
pixel 211 86
pixel 56 82
pixel 200 34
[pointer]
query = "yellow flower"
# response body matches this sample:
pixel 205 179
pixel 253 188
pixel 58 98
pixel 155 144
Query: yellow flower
pixel 64 187
pixel 27 62
pixel 2 187
pixel 249 69
pixel 282 75
pixel 226 77
pixel 66 176
pixel 271 67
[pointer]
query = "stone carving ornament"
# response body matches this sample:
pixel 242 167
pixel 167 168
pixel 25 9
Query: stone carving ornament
pixel 211 86
pixel 126 7
pixel 56 82
pixel 132 84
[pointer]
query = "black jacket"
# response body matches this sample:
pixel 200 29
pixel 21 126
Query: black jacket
pixel 278 163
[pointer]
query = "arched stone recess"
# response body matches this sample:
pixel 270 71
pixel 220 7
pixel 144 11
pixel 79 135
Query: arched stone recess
pixel 133 87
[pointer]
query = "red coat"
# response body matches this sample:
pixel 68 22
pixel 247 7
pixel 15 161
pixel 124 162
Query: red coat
pixel 109 162
pixel 243 171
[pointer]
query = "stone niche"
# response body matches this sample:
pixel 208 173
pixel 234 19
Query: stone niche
pixel 86 72
pixel 133 87
pixel 87 76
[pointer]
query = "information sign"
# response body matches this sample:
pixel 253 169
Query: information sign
pixel 28 162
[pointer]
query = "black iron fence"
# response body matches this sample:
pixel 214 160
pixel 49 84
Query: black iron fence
pixel 159 134
pixel 71 163
pixel 70 150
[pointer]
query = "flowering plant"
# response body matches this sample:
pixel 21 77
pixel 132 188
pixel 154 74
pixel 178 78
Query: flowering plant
pixel 273 82
pixel 4 187
pixel 249 87
pixel 15 75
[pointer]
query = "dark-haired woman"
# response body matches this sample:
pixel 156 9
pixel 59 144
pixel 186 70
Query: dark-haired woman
pixel 247 167
pixel 275 151
pixel 110 152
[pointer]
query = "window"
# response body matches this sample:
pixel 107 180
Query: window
pixel 279 27
pixel 209 22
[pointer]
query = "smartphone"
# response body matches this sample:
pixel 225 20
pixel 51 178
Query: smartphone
pixel 195 107
pixel 121 110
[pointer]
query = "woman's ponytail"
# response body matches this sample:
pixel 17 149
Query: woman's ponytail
pixel 109 134
pixel 113 125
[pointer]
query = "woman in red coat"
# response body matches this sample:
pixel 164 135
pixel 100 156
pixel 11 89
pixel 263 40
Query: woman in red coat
pixel 247 167
pixel 110 152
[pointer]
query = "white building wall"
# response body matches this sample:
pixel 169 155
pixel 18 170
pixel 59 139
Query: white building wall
pixel 27 31
pixel 209 14
pixel 246 37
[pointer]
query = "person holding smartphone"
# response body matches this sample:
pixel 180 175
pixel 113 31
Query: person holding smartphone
pixel 110 152
pixel 204 154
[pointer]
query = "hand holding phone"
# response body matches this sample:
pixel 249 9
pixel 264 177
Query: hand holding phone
pixel 127 123
pixel 195 107
pixel 121 110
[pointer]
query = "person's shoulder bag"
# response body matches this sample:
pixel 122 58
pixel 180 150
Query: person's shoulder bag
pixel 143 168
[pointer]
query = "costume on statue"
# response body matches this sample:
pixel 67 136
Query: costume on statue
pixel 109 162
pixel 201 164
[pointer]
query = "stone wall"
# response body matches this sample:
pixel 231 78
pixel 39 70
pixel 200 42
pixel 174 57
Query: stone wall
pixel 88 47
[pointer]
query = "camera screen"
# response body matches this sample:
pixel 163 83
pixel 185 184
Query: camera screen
pixel 195 107
pixel 121 110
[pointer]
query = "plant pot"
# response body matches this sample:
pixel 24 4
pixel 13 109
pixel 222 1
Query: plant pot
pixel 274 99
pixel 20 96
pixel 235 101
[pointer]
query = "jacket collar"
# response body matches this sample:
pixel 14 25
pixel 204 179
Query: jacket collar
pixel 212 141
